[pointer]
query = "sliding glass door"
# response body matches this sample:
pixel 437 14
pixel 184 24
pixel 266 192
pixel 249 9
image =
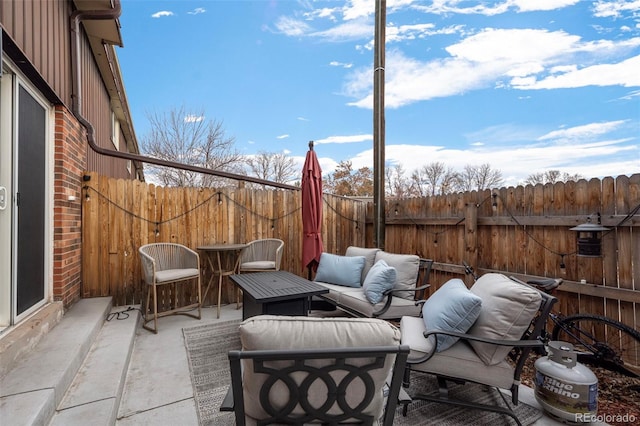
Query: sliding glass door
pixel 23 198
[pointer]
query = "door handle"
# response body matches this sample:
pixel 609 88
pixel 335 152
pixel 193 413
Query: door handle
pixel 3 198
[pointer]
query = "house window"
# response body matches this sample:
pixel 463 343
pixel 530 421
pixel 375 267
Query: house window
pixel 115 131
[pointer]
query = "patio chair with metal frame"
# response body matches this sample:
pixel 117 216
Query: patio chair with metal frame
pixel 169 263
pixel 492 352
pixel 326 371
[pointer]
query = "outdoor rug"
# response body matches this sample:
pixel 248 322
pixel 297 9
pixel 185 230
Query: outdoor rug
pixel 207 347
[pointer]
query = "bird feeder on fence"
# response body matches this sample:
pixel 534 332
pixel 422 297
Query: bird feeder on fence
pixel 589 238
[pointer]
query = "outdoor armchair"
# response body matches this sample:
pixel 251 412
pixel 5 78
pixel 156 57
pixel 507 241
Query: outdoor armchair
pixel 482 335
pixel 260 256
pixel 300 370
pixel 169 263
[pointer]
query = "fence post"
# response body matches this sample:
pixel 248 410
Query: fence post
pixel 471 238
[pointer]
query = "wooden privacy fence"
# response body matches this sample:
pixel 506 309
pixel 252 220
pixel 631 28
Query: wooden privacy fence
pixel 522 231
pixel 525 231
pixel 119 216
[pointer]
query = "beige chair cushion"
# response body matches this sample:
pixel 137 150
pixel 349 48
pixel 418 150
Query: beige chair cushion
pixel 267 265
pixel 407 267
pixel 269 332
pixel 176 274
pixel 507 310
pixel 369 258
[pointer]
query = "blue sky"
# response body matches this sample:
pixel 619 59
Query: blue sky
pixel 524 85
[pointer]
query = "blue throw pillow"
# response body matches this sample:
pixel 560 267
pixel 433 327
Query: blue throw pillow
pixel 451 308
pixel 380 278
pixel 340 270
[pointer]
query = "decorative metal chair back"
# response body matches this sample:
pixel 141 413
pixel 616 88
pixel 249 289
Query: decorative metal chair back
pixel 300 370
pixel 328 386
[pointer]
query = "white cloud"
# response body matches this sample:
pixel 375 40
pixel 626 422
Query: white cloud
pixel 497 8
pixel 292 27
pixel 325 12
pixel 505 45
pixel 358 9
pixel 191 118
pixel 614 9
pixel 398 34
pixel 356 23
pixel 350 30
pixel 563 69
pixel 525 69
pixel 355 9
pixel 162 13
pixel 486 59
pixel 409 80
pixel 197 11
pixel 631 95
pixel 502 134
pixel 344 139
pixel 588 150
pixel 516 163
pixel 340 64
pixel 541 5
pixel 624 74
pixel 587 131
pixel 285 136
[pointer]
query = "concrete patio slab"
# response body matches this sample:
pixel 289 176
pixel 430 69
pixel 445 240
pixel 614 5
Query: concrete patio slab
pixel 129 377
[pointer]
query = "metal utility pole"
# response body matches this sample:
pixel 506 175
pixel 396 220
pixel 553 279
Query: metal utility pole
pixel 378 124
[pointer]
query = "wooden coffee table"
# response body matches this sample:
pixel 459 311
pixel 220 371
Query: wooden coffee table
pixel 275 293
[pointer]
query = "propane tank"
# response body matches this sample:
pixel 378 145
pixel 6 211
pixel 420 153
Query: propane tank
pixel 564 387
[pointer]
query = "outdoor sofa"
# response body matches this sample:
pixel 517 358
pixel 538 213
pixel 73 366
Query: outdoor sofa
pixel 372 283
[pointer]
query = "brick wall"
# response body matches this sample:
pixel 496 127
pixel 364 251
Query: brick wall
pixel 69 165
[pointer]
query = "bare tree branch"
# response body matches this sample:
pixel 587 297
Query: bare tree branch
pixel 274 166
pixel 189 138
